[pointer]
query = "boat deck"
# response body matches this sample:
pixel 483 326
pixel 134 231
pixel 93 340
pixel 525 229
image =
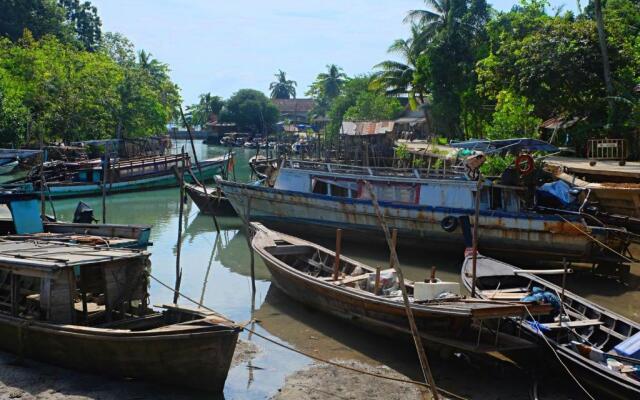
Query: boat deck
pixel 630 170
pixel 52 256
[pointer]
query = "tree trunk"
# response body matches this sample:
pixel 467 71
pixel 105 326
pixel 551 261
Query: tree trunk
pixel 605 56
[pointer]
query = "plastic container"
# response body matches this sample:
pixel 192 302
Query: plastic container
pixel 430 290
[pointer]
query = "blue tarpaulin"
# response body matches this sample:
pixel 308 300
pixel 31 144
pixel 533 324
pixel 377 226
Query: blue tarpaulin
pixel 506 145
pixel 558 190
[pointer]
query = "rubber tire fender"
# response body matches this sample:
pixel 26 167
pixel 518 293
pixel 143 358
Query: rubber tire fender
pixel 449 223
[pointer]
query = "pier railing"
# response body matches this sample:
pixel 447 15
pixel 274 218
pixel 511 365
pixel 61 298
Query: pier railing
pixel 418 173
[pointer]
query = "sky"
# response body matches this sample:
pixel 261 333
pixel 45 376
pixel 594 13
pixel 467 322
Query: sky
pixel 221 46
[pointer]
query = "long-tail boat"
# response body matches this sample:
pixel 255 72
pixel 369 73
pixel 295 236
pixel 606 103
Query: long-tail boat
pixel 20 219
pixel 133 174
pixel 305 272
pixel 600 347
pixel 86 308
pixel 213 202
pixel 425 206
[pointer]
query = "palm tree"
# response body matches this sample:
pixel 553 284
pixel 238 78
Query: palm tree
pixel 207 106
pixel 153 67
pixel 605 55
pixel 283 88
pixel 332 81
pixel 433 20
pixel 396 77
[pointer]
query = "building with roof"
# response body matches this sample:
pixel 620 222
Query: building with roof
pixel 295 110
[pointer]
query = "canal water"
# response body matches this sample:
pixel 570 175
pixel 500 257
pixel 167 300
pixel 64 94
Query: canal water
pixel 216 271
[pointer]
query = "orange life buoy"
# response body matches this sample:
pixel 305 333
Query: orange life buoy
pixel 525 164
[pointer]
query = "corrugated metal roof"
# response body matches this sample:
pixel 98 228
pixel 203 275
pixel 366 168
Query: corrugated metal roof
pixel 366 128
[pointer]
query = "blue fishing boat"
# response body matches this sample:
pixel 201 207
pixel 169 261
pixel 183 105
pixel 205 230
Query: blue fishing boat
pixel 424 206
pixel 141 173
pixel 20 219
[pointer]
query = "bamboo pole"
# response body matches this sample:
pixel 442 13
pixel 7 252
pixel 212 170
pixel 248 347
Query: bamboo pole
pixel 422 355
pixel 476 222
pixel 376 288
pixel 104 185
pixel 195 159
pixel 179 247
pixel 336 261
pixel 247 222
pixel 394 243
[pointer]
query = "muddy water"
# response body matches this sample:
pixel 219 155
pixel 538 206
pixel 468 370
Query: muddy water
pixel 216 272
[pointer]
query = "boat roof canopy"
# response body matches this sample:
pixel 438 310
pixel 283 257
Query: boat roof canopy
pixel 44 258
pixel 506 145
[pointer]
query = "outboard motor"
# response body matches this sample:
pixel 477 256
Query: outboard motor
pixel 83 214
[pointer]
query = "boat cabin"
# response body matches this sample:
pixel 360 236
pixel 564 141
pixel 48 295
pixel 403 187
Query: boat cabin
pixel 133 168
pixel 414 187
pixel 20 219
pixel 68 284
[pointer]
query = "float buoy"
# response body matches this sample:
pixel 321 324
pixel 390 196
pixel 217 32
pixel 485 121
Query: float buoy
pixel 525 164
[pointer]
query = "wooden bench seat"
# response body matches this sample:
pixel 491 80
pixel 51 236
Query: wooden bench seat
pixel 573 324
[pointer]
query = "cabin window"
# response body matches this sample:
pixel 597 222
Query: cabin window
pixel 496 198
pixel 335 187
pixel 320 187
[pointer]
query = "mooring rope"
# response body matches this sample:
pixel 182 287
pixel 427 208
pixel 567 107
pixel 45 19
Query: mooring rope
pixel 594 239
pixel 335 364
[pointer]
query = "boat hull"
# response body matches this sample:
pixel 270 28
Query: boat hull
pixel 589 373
pixel 66 190
pixel 505 234
pixel 196 360
pixel 209 203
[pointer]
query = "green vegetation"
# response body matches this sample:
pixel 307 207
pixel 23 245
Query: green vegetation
pixel 251 110
pixel 61 79
pixel 484 73
pixel 283 88
pixel 202 112
pixel 496 165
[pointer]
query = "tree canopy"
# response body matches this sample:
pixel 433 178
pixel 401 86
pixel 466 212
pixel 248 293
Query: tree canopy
pixel 283 88
pixel 250 110
pixel 65 81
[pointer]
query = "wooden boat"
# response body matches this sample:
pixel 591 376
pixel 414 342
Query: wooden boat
pixel 424 206
pixel 139 173
pixel 303 270
pixel 20 219
pixel 86 308
pixel 213 202
pixel 585 337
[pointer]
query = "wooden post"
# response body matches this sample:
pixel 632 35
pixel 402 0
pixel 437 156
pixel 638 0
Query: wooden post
pixel 564 278
pixel 195 159
pixel 43 206
pixel 248 230
pixel 179 247
pixel 422 355
pixel 336 261
pixel 433 274
pixel 15 297
pixel 476 222
pixel 104 185
pixel 394 243
pixel 376 288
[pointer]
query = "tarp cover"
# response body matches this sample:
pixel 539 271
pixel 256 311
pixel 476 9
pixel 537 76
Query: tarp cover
pixel 559 190
pixel 506 145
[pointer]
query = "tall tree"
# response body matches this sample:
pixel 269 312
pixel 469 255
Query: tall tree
pixel 208 106
pixel 396 77
pixel 283 88
pixel 432 20
pixel 85 20
pixel 328 84
pixel 251 110
pixel 602 40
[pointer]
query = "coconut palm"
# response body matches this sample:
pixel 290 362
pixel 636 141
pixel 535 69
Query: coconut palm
pixel 433 20
pixel 207 106
pixel 283 88
pixel 328 84
pixel 396 77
